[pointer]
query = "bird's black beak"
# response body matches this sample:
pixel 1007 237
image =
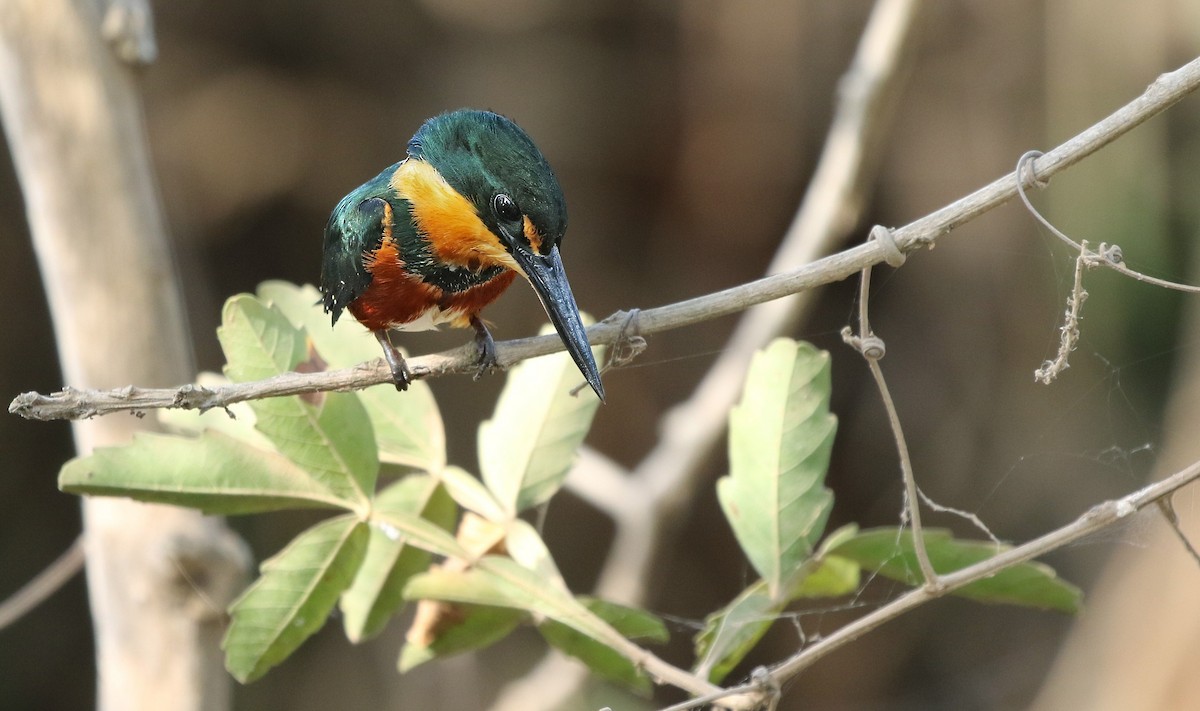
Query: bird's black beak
pixel 549 280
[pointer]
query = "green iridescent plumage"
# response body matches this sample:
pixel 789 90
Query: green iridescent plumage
pixel 482 154
pixel 355 228
pixel 436 237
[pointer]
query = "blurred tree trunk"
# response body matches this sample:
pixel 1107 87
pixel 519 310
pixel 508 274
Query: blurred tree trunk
pixel 159 577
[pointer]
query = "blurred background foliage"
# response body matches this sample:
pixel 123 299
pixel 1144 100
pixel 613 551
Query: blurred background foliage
pixel 684 134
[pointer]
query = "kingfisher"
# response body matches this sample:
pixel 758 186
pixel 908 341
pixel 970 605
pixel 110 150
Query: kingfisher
pixel 438 236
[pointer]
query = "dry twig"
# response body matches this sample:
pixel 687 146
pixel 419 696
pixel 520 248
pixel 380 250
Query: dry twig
pixel 1069 331
pixel 47 582
pixel 1098 517
pixel 872 349
pixel 1164 92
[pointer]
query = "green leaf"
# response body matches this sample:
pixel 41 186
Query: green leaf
pixel 418 532
pixel 631 622
pixel 292 598
pixel 259 342
pixel 891 554
pixel 214 473
pixel 780 437
pixel 839 536
pixel 834 576
pixel 527 448
pixel 473 586
pixel 524 544
pixel 479 627
pixel 731 632
pixel 471 494
pixel 341 345
pixel 408 425
pixel 332 438
pixel 602 660
pixel 502 582
pixel 377 591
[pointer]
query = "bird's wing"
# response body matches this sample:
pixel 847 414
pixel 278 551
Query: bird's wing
pixel 355 228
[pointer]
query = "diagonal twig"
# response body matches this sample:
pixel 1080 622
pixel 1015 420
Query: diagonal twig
pixel 40 588
pixel 1164 92
pixel 1166 506
pixel 1098 517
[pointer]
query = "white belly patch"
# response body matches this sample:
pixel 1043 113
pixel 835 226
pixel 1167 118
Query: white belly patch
pixel 429 320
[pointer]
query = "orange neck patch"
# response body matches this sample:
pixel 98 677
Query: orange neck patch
pixel 456 234
pixel 532 236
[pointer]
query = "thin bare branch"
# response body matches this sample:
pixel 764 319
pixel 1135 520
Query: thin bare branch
pixel 1164 92
pixel 971 518
pixel 1105 256
pixel 1097 518
pixel 1166 506
pixel 761 689
pixel 45 584
pixel 872 349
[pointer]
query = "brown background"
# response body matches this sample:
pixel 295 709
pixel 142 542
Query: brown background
pixel 683 134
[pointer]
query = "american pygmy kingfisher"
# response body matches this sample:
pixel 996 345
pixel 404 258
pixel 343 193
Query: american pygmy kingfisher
pixel 438 236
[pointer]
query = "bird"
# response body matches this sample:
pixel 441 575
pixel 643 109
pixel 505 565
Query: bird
pixel 439 235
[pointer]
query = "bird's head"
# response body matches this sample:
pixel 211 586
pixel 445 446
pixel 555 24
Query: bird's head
pixel 484 196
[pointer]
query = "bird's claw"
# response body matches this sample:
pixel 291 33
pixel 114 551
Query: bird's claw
pixel 485 348
pixel 401 375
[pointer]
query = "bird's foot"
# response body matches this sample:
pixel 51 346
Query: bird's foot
pixel 401 376
pixel 485 346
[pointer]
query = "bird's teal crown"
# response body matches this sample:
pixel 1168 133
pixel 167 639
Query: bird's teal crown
pixel 482 154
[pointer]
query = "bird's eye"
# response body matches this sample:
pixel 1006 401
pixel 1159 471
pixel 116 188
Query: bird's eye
pixel 505 208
